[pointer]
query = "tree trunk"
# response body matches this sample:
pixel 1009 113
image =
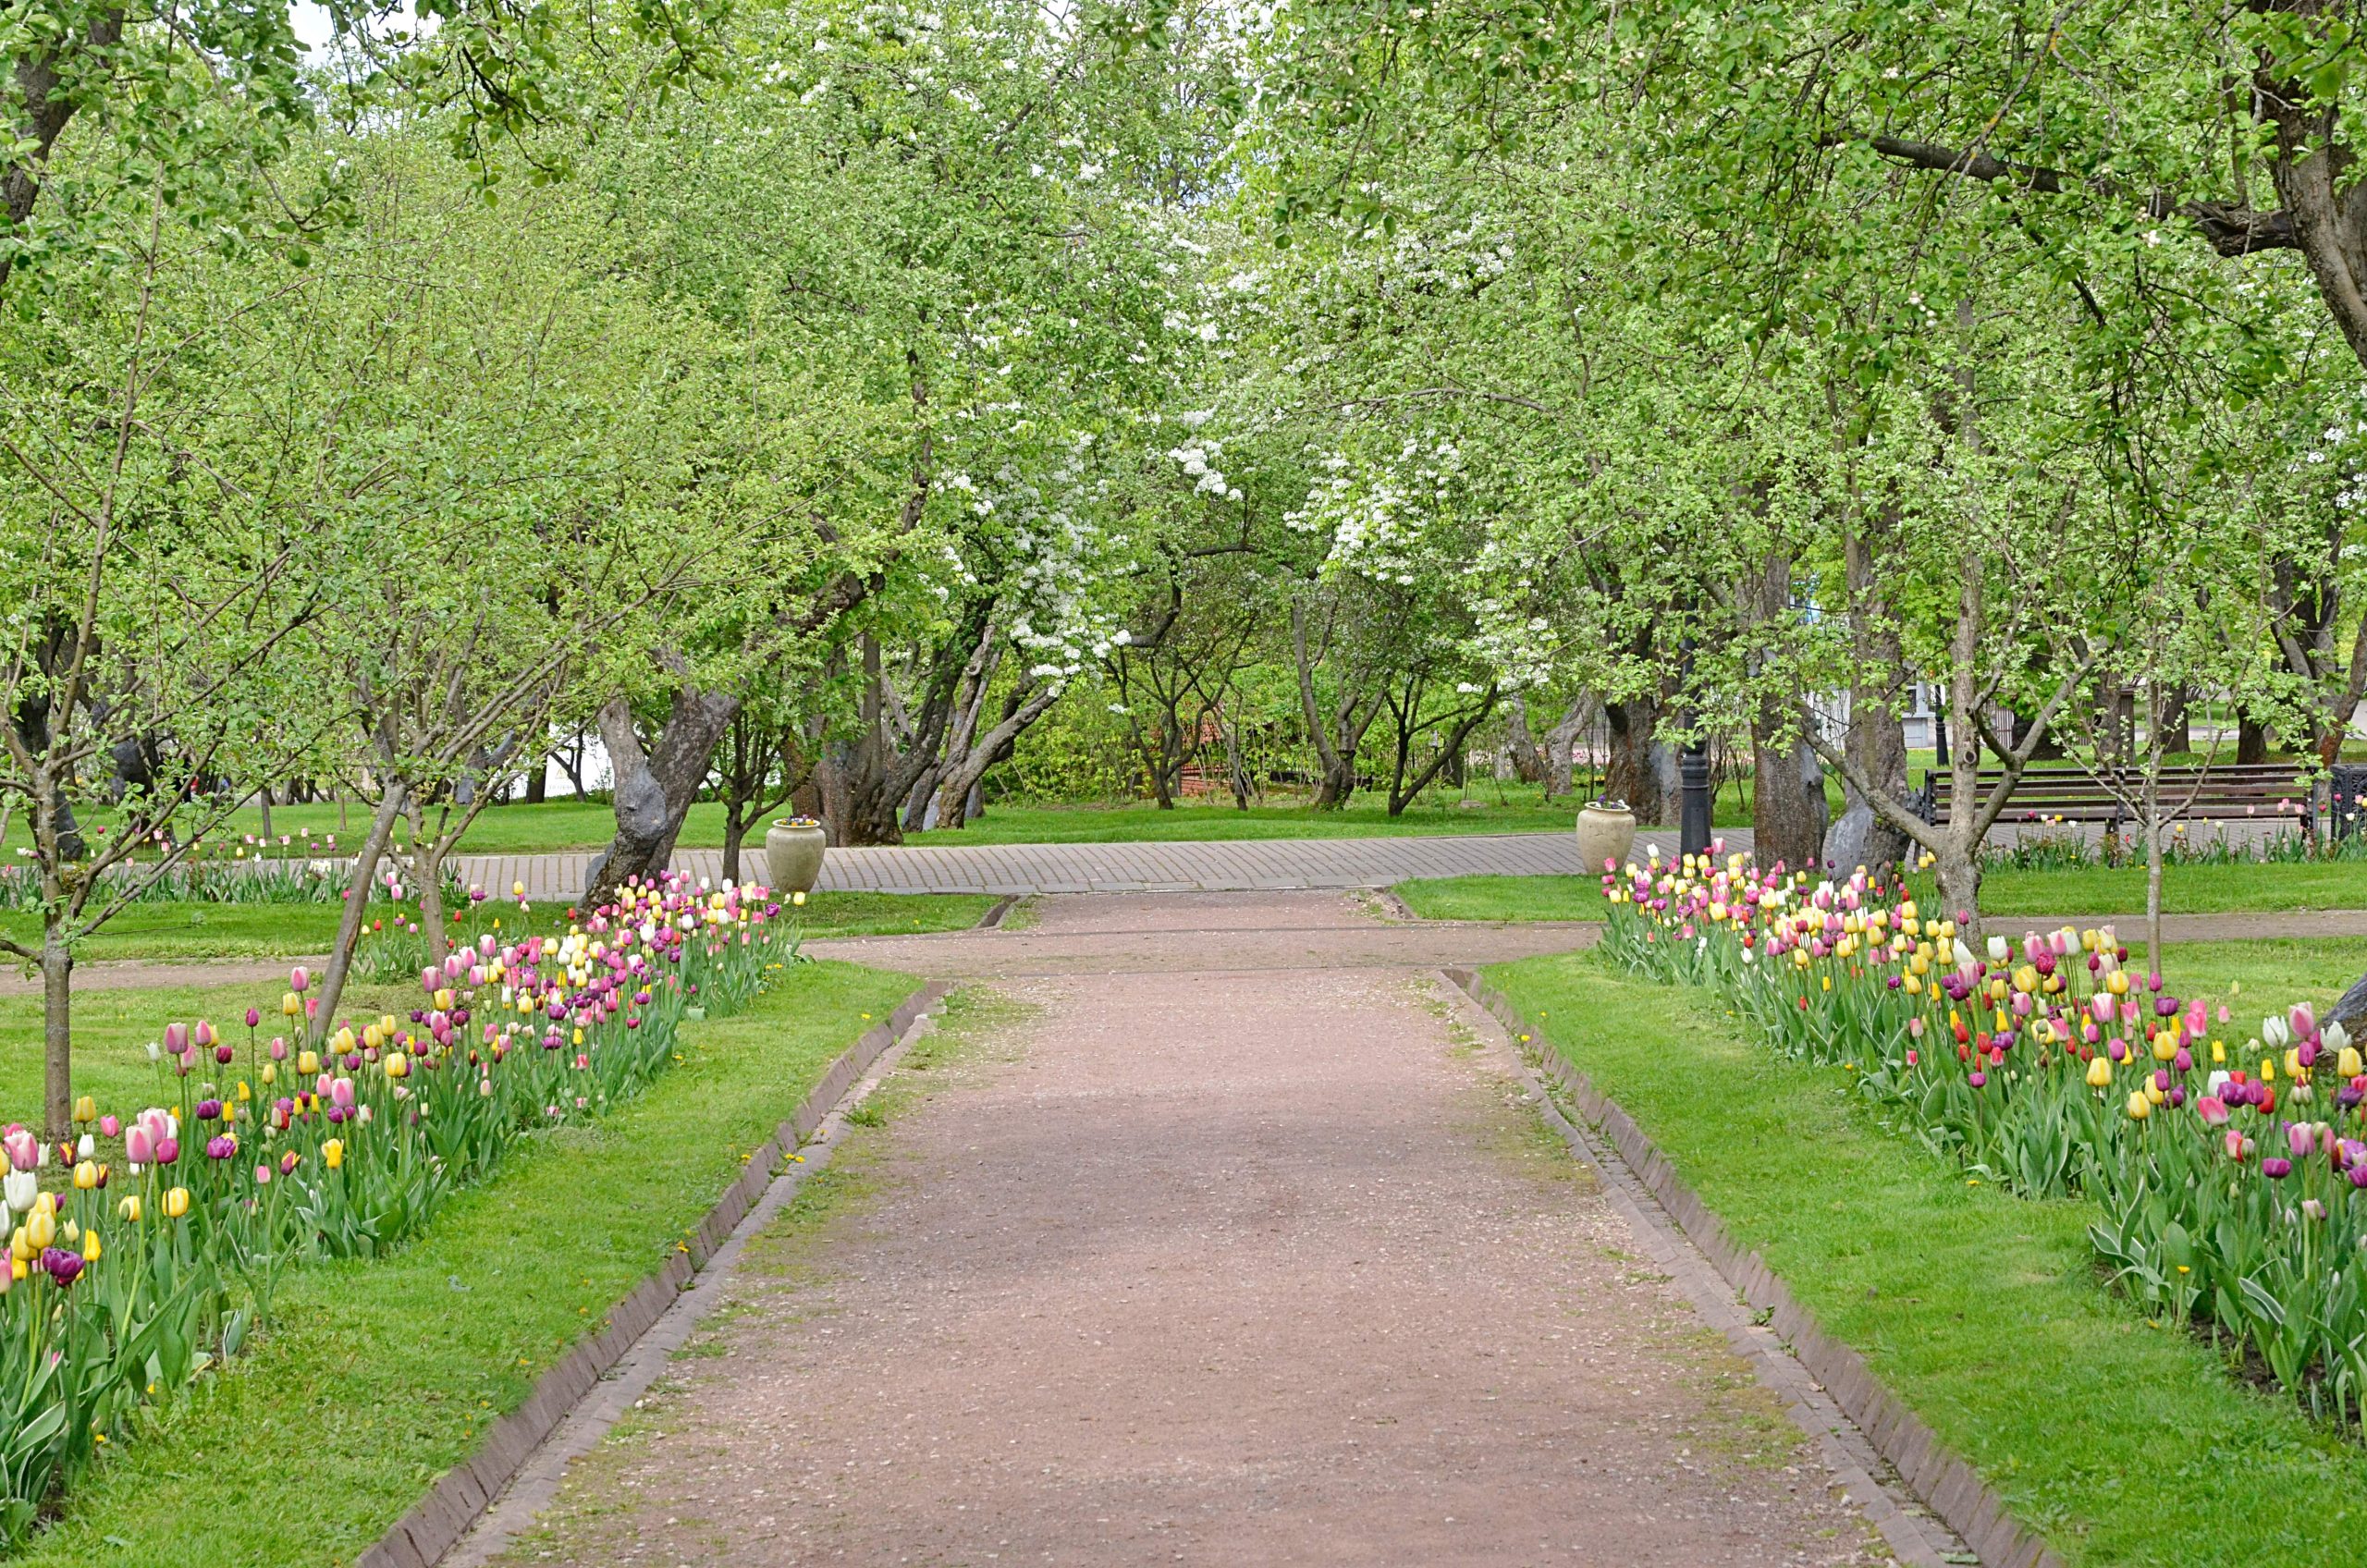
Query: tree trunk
pixel 2251 739
pixel 1789 811
pixel 357 904
pixel 2178 721
pixel 1528 764
pixel 1560 742
pixel 734 830
pixel 538 782
pixel 56 1029
pixel 1632 773
pixel 960 798
pixel 1402 793
pixel 655 789
pixel 1876 742
pixel 427 864
pixel 1335 752
pixel 265 796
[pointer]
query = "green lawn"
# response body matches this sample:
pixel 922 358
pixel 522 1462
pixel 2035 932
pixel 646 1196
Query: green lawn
pixel 2187 890
pixel 2124 1443
pixel 381 1374
pixel 192 931
pixel 112 1028
pixel 585 825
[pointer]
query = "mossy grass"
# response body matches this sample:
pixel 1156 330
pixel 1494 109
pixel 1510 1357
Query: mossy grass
pixel 377 1375
pixel 2125 1441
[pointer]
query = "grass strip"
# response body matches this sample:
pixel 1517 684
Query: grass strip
pixel 2122 1441
pixel 2071 891
pixel 380 1375
pixel 179 931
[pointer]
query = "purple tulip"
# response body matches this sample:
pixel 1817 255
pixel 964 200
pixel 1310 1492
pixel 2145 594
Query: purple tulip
pixel 209 1111
pixel 220 1146
pixel 2276 1167
pixel 61 1265
pixel 253 1018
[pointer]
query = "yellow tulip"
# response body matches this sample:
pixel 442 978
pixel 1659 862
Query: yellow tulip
pixel 1906 910
pixel 86 1109
pixel 516 889
pixel 371 1038
pixel 91 1248
pixel 308 1062
pixel 1914 986
pixel 2218 1053
pixel 86 1176
pixel 270 1072
pixel 2166 1045
pixel 333 1153
pixel 2347 1063
pixel 2100 1072
pixel 176 1203
pixel 396 1066
pixel 2293 1063
pixel 289 1004
pixel 41 1227
pixel 130 1208
pixel 245 1094
pixel 343 1041
pixel 2139 1106
pixel 2117 982
pixel 2267 1068
pixel 1828 982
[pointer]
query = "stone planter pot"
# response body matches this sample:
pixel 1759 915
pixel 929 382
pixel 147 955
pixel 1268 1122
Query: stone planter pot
pixel 793 855
pixel 1606 832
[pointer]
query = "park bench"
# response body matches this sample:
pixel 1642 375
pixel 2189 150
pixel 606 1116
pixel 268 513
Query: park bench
pixel 2223 792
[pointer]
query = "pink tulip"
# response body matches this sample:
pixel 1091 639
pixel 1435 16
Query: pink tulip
pixel 2213 1109
pixel 300 978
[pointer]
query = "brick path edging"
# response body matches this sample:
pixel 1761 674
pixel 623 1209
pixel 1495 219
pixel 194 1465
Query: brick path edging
pixel 1949 1486
pixel 435 1524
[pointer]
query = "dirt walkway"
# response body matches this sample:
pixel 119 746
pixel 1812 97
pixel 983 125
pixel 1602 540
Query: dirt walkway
pixel 1261 1263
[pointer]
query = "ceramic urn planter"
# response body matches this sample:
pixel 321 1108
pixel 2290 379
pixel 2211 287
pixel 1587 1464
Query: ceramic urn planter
pixel 1606 832
pixel 794 855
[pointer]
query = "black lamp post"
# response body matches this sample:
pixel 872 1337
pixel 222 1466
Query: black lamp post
pixel 1693 772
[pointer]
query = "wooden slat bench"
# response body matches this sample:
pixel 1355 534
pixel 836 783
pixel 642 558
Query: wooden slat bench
pixel 2225 792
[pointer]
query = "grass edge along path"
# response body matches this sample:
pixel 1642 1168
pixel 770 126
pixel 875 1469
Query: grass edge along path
pixel 2119 1441
pixel 2006 893
pixel 381 1374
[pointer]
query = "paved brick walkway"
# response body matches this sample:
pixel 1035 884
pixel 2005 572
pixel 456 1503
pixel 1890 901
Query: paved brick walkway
pixel 1247 865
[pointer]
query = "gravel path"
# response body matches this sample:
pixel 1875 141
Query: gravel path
pixel 1265 1262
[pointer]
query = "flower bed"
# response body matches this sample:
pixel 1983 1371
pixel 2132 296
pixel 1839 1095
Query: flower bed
pixel 160 1237
pixel 2229 1166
